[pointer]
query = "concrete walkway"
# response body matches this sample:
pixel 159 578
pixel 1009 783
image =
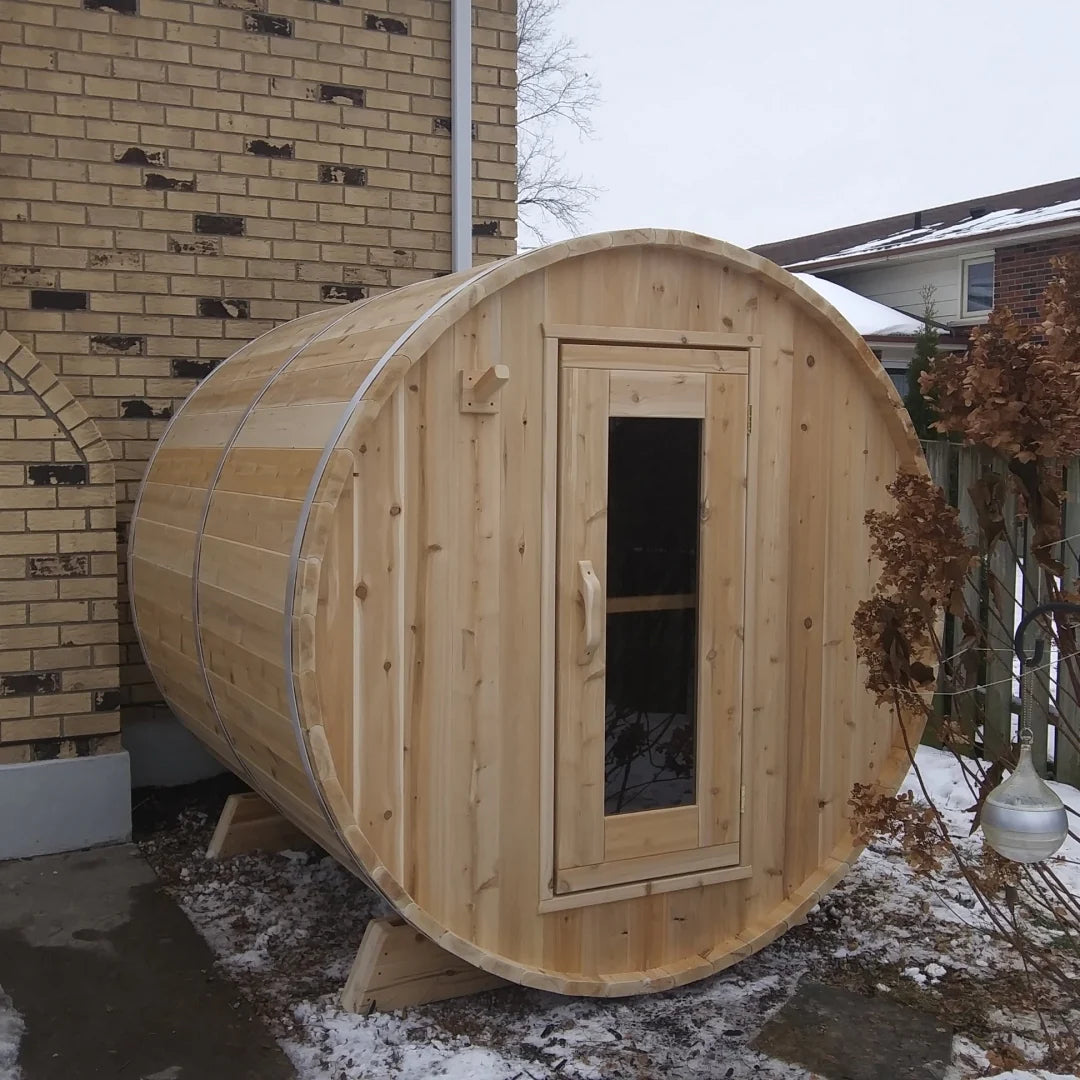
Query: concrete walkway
pixel 113 982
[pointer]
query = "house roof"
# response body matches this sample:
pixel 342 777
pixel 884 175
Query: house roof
pixel 1020 210
pixel 868 317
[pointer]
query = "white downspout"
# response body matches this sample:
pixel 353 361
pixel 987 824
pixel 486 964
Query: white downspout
pixel 461 134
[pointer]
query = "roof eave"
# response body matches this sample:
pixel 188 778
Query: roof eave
pixel 946 338
pixel 910 252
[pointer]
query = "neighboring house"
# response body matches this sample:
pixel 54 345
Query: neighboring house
pixel 178 176
pixel 970 255
pixel 889 333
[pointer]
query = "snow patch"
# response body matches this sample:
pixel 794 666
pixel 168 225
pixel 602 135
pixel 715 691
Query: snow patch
pixel 287 928
pixel 994 222
pixel 11 1033
pixel 868 317
pixel 1038 1074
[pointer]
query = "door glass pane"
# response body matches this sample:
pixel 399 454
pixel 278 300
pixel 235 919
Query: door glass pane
pixel 654 484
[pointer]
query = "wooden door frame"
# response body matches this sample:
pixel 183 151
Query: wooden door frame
pixel 554 336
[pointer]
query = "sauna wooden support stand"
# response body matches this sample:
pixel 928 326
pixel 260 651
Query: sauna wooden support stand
pixel 395 966
pixel 249 823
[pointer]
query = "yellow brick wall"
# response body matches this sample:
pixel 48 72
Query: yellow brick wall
pixel 58 570
pixel 176 176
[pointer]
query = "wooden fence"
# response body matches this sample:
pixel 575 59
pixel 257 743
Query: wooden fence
pixel 989 676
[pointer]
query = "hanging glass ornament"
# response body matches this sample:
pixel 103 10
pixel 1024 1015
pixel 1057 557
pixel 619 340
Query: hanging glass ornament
pixel 1023 819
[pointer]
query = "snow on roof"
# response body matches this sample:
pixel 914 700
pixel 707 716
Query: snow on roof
pixel 994 222
pixel 871 319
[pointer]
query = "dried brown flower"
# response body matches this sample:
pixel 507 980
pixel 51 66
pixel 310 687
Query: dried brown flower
pixel 901 818
pixel 891 639
pixel 1061 312
pixel 921 545
pixel 1010 391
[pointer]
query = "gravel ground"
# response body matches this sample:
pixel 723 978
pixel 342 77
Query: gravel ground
pixel 286 928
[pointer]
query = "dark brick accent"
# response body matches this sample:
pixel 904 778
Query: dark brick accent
pixel 116 260
pixel 444 125
pixel 182 246
pixel 485 228
pixel 136 155
pixel 210 307
pixel 128 344
pixel 257 23
pixel 27 277
pixel 157 182
pixel 341 95
pixel 67 475
pixel 59 300
pixel 262 148
pixel 389 26
pixel 51 749
pixel 121 7
pixel 47 566
pixel 353 175
pixel 365 275
pixel 183 368
pixel 342 294
pixel 137 409
pixel 220 224
pixel 106 700
pixel 30 682
pixel 242 5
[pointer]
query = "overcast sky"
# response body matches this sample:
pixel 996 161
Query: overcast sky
pixel 760 120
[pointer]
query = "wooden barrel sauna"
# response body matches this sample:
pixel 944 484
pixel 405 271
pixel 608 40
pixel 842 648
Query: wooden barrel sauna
pixel 527 593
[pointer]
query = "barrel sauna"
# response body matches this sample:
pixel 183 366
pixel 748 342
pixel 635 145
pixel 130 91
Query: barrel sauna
pixel 527 593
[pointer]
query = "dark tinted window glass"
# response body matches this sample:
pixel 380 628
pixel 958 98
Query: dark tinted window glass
pixel 980 286
pixel 654 480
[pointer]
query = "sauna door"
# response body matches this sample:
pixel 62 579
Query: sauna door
pixel 649 613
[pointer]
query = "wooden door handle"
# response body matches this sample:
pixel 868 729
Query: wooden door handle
pixel 592 597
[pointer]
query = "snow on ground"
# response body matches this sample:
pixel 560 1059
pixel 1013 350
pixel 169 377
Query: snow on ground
pixel 952 795
pixel 287 926
pixel 11 1029
pixel 1038 1074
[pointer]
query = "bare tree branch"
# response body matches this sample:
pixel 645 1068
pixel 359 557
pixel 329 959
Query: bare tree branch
pixel 547 188
pixel 554 89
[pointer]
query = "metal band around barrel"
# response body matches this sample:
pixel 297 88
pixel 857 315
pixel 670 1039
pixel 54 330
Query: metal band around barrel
pixel 138 503
pixel 301 528
pixel 229 444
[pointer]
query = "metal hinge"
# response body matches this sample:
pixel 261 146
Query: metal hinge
pixel 742 799
pixel 749 418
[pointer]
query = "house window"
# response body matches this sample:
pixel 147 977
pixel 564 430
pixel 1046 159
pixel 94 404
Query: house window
pixel 899 378
pixel 977 286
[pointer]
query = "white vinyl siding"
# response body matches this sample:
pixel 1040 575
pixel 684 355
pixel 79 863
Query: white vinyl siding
pixel 899 284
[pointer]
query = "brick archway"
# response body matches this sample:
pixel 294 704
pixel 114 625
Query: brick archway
pixel 59 647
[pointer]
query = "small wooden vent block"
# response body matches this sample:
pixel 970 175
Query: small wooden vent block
pixel 249 823
pixel 397 966
pixel 480 389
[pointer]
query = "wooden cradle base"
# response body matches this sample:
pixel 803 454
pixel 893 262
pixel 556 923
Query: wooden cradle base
pixel 396 966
